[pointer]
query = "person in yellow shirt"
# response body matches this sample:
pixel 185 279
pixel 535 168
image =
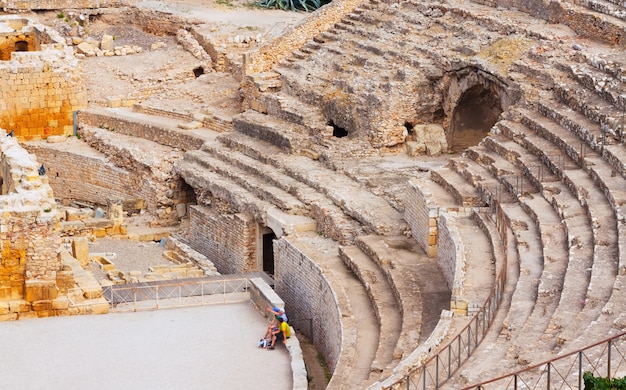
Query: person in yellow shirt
pixel 281 334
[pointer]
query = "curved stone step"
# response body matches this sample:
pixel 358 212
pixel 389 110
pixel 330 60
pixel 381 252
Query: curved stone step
pixel 383 300
pixel 463 192
pixel 372 211
pixel 574 216
pixel 274 195
pixel 553 239
pixel 600 219
pixel 154 128
pixel 529 251
pixel 417 282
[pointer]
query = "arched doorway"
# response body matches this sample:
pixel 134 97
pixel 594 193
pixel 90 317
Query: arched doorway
pixel 21 46
pixel 476 112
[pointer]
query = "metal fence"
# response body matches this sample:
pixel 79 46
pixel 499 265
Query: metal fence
pixel 606 359
pixel 439 368
pixel 135 297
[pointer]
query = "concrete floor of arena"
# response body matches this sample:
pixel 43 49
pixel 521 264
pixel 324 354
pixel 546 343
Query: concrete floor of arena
pixel 201 347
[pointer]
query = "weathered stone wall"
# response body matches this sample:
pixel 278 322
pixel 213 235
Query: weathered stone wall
pixel 94 179
pixel 421 213
pixel 309 299
pixel 228 240
pixel 31 273
pixel 451 260
pixel 40 90
pixel 85 178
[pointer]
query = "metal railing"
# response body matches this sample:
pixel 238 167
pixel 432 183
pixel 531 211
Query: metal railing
pixel 606 358
pixel 439 368
pixel 166 295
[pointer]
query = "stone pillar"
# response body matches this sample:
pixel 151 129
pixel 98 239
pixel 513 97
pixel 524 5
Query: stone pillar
pixel 80 250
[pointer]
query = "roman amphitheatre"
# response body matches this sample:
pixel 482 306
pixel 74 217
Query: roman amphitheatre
pixel 436 188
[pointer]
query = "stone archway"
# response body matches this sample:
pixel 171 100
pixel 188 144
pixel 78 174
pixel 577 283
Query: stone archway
pixel 472 104
pixel 474 115
pixel 21 46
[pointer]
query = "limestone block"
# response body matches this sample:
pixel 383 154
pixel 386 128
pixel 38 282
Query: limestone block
pixel 61 303
pixel 4 308
pixel 85 48
pixel 80 250
pixel 113 102
pixel 73 214
pixel 99 223
pixel 44 305
pixel 190 125
pixel 18 306
pixel 77 40
pixel 5 293
pixel 37 290
pixel 433 149
pixel 115 210
pixel 107 43
pixel 99 232
pixel 415 149
pixel 53 139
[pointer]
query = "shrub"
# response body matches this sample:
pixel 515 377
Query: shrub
pixel 294 5
pixel 593 383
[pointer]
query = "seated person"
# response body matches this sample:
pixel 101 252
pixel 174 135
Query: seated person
pixel 278 312
pixel 280 333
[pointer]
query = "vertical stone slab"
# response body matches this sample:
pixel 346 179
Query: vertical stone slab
pixel 80 250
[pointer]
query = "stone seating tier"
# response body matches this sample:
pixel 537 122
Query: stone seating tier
pixel 551 233
pixel 384 302
pixel 601 221
pixel 574 215
pixel 373 212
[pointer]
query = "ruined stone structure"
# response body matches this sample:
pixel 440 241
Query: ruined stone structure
pixel 40 81
pixel 380 254
pixel 34 281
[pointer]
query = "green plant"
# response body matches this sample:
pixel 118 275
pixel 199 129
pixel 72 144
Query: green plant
pixel 227 3
pixel 294 5
pixel 60 15
pixel 322 362
pixel 599 383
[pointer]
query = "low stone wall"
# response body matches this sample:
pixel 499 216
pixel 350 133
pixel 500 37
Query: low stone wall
pixel 451 260
pixel 228 240
pixel 161 135
pixel 441 333
pixel 263 296
pixel 80 177
pixel 309 299
pixel 421 213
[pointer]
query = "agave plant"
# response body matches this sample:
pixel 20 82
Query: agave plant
pixel 294 5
